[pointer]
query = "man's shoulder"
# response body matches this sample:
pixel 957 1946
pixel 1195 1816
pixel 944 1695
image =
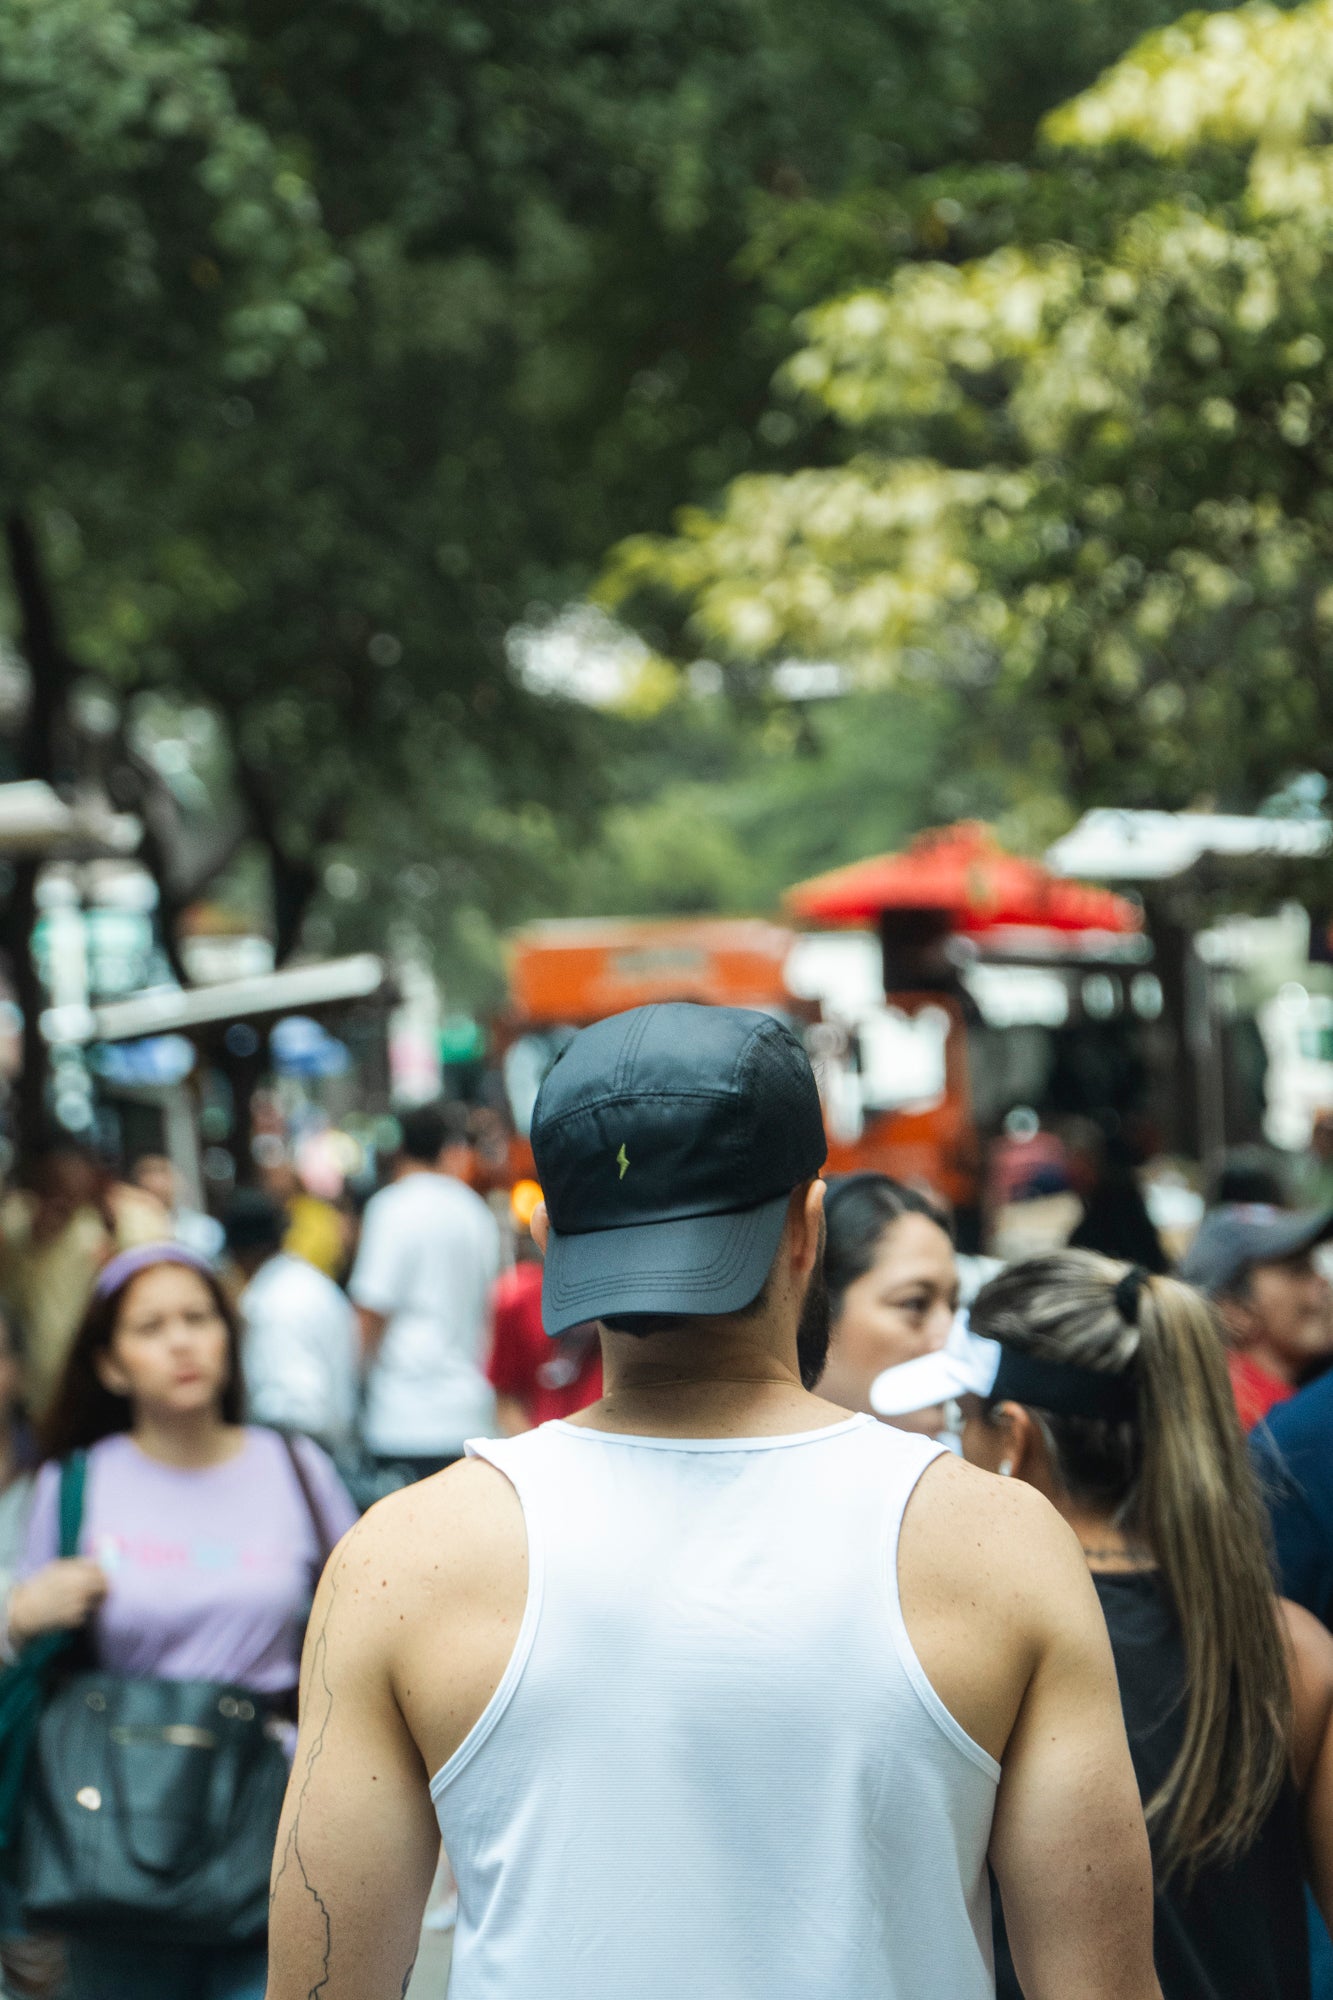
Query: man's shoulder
pixel 997 1539
pixel 1305 1420
pixel 390 1197
pixel 436 1541
pixel 291 1280
pixel 431 1194
pixel 316 1285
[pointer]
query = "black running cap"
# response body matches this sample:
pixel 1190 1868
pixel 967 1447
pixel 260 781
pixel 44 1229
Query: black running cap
pixel 667 1141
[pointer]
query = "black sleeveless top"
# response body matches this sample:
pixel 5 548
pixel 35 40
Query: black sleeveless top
pixel 1238 1932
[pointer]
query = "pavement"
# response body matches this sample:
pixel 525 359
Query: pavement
pixel 431 1979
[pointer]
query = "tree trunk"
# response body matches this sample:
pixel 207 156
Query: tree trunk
pixel 17 917
pixel 45 749
pixel 45 752
pixel 293 886
pixel 1177 1088
pixel 293 878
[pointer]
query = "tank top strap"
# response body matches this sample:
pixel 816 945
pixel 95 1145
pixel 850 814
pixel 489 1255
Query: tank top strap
pixel 859 1475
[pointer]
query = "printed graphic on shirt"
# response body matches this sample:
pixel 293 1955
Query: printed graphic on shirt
pixel 117 1553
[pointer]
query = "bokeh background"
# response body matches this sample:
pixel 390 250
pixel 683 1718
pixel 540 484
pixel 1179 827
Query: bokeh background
pixel 464 465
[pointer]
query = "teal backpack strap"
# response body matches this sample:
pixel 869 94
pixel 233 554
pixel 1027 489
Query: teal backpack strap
pixel 23 1683
pixel 73 1478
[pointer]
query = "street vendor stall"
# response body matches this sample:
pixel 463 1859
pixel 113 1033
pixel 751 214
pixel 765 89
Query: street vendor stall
pixel 952 901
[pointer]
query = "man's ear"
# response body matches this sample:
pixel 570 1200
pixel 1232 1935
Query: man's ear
pixel 804 1218
pixel 540 1226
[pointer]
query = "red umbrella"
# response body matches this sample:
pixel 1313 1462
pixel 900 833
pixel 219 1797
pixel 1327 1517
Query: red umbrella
pixel 962 873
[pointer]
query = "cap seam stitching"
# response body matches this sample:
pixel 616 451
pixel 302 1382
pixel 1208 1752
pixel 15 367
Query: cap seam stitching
pixel 630 1048
pixel 669 1221
pixel 561 1118
pixel 743 1052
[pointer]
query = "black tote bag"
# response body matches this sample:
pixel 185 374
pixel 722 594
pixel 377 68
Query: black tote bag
pixel 152 1806
pixel 152 1811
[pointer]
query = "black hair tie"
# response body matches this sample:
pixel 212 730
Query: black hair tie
pixel 1127 1294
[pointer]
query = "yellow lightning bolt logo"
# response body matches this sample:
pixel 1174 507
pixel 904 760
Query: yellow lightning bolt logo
pixel 622 1161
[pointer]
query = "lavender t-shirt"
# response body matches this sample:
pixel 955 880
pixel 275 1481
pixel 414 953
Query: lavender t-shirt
pixel 211 1571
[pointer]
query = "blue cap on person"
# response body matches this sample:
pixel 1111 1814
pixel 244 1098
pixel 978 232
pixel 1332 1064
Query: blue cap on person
pixel 668 1141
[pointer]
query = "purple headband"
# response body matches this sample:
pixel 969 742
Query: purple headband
pixel 127 1264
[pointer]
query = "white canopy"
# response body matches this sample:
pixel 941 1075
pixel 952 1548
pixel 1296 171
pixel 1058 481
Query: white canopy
pixel 1111 845
pixel 35 820
pixel 166 1010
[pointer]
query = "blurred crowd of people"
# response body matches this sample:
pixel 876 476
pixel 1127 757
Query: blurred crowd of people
pixel 1229 1716
pixel 237 1389
pixel 242 1387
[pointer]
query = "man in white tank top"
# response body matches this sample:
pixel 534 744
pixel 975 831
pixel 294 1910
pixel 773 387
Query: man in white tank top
pixel 713 1689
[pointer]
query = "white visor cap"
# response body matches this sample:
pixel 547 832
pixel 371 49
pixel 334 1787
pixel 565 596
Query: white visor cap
pixel 967 1364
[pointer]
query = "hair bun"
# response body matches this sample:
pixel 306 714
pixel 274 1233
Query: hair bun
pixel 1127 1294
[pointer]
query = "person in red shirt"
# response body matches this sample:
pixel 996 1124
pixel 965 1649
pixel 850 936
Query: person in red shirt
pixel 1257 1264
pixel 535 1378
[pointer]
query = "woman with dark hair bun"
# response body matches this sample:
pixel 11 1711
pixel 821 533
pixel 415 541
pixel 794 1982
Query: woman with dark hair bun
pixel 892 1282
pixel 202 1539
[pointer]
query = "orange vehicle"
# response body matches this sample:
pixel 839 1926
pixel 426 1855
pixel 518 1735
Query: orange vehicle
pixel 906 1073
pixel 567 973
pixel 575 971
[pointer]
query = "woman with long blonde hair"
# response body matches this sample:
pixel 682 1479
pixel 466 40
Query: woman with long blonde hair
pixel 1107 1389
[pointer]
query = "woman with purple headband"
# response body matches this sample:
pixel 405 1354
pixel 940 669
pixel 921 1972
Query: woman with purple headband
pixel 201 1543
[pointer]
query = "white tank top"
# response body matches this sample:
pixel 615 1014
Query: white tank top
pixel 714 1765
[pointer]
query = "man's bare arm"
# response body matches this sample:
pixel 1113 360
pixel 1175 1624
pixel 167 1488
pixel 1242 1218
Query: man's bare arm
pixel 1006 1622
pixel 1069 1846
pixel 358 1841
pixel 372 1325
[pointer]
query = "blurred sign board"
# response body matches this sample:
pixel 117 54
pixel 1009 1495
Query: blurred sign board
pixel 171 1010
pixel 577 970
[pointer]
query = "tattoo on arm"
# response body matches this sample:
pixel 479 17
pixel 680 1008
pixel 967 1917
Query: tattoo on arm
pixel 317 1691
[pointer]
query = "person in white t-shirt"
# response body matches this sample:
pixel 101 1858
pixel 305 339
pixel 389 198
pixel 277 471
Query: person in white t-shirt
pixel 429 1254
pixel 302 1346
pixel 156 1174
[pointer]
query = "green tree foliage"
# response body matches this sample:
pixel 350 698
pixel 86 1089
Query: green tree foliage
pixel 728 813
pixel 333 339
pixel 1088 470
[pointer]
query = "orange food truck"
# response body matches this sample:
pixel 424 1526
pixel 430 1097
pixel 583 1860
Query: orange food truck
pixel 564 975
pixel 913 1113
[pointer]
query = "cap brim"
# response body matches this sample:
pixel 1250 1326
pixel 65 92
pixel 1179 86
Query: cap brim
pixel 701 1265
pixel 1289 1237
pixel 1233 1240
pixel 966 1366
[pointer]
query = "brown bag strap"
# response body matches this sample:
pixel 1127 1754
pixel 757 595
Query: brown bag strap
pixel 323 1540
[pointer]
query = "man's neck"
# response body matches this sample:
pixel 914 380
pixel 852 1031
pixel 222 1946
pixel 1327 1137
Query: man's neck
pixel 704 1384
pixel 406 1168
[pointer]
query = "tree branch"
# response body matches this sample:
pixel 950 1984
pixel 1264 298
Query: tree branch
pixel 44 743
pixel 43 753
pixel 293 878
